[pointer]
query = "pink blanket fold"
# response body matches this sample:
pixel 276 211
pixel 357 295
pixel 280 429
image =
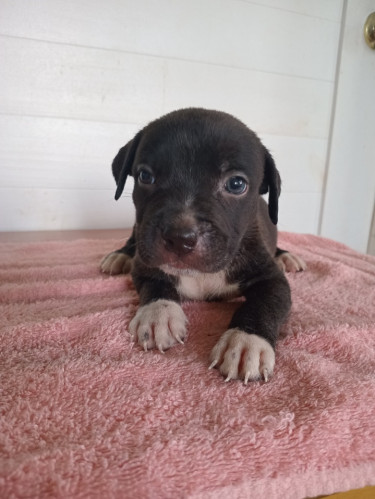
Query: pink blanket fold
pixel 85 413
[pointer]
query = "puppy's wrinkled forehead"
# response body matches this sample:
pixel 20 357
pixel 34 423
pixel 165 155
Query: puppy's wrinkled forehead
pixel 200 143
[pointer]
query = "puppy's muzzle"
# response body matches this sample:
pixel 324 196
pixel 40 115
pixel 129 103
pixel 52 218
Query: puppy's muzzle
pixel 180 240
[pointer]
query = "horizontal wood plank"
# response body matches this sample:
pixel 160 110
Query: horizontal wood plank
pixel 225 32
pixel 58 153
pixel 52 153
pixel 321 9
pixel 299 212
pixel 301 161
pixel 64 235
pixel 268 103
pixel 58 209
pixel 63 209
pixel 44 79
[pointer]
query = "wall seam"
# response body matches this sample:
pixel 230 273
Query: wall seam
pixel 333 114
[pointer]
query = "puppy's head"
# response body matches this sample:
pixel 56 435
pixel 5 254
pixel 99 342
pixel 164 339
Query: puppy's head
pixel 198 175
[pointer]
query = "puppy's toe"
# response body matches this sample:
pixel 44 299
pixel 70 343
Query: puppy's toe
pixel 160 324
pixel 289 262
pixel 245 356
pixel 116 263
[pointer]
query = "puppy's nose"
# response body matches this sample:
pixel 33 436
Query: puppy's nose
pixel 180 240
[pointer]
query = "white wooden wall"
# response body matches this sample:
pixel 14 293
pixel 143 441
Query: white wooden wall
pixel 80 77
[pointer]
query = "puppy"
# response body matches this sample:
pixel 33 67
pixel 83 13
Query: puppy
pixel 203 232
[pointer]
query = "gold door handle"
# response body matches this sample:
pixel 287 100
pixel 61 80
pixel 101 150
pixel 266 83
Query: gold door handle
pixel 369 30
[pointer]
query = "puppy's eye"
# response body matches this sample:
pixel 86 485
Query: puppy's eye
pixel 236 185
pixel 145 177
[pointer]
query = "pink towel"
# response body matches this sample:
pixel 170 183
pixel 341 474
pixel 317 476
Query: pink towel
pixel 85 413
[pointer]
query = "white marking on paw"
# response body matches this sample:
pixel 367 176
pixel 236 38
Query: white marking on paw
pixel 160 324
pixel 241 355
pixel 116 263
pixel 288 262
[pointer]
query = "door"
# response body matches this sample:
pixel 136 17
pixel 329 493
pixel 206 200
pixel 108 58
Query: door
pixel 348 201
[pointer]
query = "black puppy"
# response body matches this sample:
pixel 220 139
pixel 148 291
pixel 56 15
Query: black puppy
pixel 204 232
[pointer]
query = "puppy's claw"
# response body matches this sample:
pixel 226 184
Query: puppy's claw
pixel 246 356
pixel 288 262
pixel 228 378
pixel 159 324
pixel 178 338
pixel 213 364
pixel 115 263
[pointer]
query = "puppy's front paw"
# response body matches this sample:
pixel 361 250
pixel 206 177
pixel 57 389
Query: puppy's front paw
pixel 159 324
pixel 289 262
pixel 116 263
pixel 241 355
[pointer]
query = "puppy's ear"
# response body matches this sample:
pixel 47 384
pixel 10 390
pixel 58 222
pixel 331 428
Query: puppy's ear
pixel 271 183
pixel 123 162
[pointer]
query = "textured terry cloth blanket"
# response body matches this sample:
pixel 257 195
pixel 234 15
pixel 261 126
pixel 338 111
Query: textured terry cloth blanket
pixel 86 413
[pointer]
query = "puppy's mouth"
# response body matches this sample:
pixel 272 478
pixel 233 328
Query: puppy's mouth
pixel 185 252
pixel 188 262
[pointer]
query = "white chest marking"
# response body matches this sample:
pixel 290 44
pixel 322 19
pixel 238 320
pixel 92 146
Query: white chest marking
pixel 202 286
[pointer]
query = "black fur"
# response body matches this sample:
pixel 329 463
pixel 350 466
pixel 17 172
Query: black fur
pixel 191 153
